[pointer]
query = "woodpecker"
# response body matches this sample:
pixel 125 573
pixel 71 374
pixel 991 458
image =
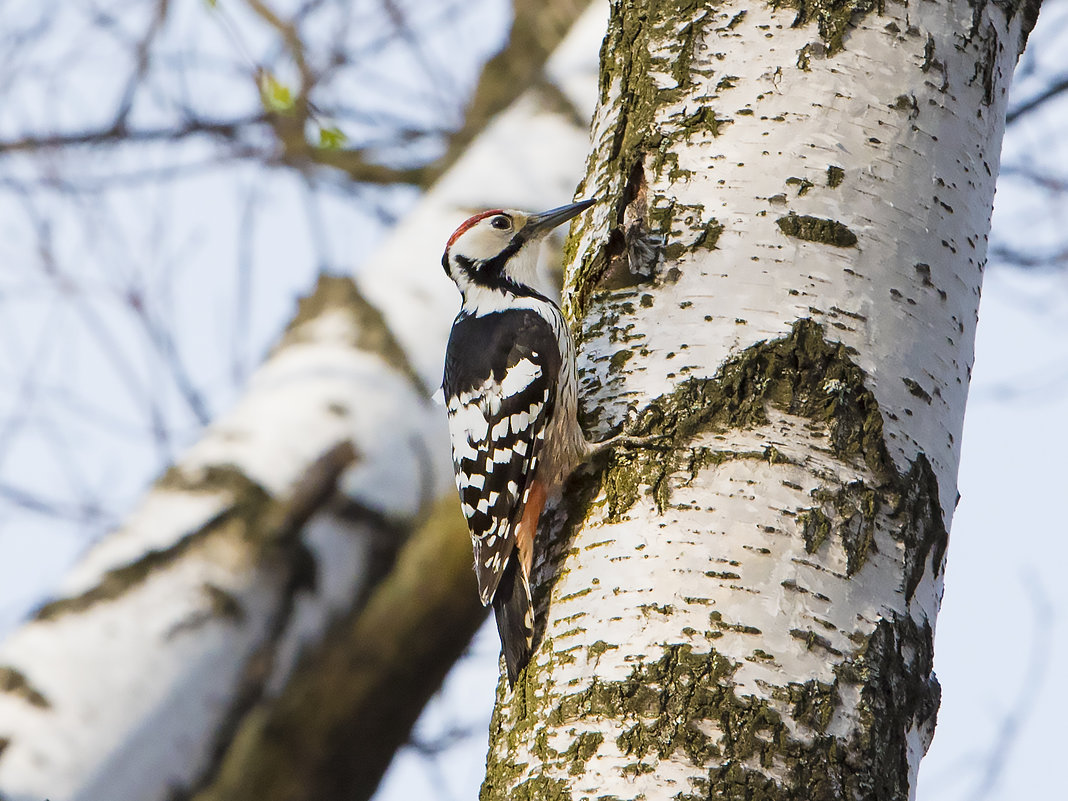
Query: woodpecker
pixel 512 396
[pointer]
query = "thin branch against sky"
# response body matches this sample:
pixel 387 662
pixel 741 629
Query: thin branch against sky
pixel 159 221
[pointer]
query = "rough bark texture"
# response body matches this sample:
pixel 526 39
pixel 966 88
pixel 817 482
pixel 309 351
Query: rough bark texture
pixel 784 285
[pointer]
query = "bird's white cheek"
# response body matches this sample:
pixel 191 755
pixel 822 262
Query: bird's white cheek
pixel 480 244
pixel 523 267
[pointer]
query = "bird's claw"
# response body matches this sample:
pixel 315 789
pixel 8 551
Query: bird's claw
pixel 626 441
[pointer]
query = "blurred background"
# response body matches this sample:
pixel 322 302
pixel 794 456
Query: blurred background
pixel 174 175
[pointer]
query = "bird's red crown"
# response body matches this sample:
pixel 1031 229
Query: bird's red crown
pixel 470 221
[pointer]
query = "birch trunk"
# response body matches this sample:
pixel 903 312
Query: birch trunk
pixel 232 639
pixel 783 283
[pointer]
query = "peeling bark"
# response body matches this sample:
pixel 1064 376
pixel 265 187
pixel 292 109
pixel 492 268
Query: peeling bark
pixel 783 286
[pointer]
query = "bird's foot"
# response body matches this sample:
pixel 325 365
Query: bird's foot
pixel 624 440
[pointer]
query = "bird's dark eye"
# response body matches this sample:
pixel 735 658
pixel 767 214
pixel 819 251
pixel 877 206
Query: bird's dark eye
pixel 501 222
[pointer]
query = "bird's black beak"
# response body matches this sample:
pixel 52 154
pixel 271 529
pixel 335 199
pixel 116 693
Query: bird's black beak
pixel 538 224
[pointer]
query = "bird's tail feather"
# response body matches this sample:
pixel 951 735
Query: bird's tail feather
pixel 514 611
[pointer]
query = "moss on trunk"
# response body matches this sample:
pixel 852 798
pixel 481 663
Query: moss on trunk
pixel 665 704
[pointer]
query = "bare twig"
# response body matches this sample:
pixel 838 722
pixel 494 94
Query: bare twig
pixel 1030 691
pixel 1052 92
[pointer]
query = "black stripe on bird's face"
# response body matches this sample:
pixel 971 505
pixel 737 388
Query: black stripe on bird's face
pixel 492 274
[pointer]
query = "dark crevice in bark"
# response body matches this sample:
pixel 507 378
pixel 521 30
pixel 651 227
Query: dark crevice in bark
pixel 660 706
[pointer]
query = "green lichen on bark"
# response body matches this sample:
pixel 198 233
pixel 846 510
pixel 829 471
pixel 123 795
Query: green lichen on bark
pixel 918 514
pixel 915 389
pixel 660 609
pixel 894 668
pixel 815 641
pixel 817 229
pixel 708 238
pixel 1026 9
pixel 704 119
pixel 645 38
pixel 910 511
pixel 835 176
pixel 812 702
pixel 541 789
pixel 598 648
pixel 715 618
pixel 906 104
pixel 833 18
pixel 802 185
pixel 793 374
pixel 515 716
pixel 802 374
pixel 636 29
pixel 652 721
pixel 814 528
pixel 580 751
pixel 684 703
pixel 619 360
pixel 850 513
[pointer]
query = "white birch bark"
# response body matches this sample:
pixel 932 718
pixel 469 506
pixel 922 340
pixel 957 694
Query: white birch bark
pixel 173 629
pixel 784 284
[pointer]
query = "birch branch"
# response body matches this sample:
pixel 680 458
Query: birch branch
pixel 329 735
pixel 174 627
pixel 171 646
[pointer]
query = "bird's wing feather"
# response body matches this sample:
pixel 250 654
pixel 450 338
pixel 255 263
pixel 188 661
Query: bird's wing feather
pixel 500 397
